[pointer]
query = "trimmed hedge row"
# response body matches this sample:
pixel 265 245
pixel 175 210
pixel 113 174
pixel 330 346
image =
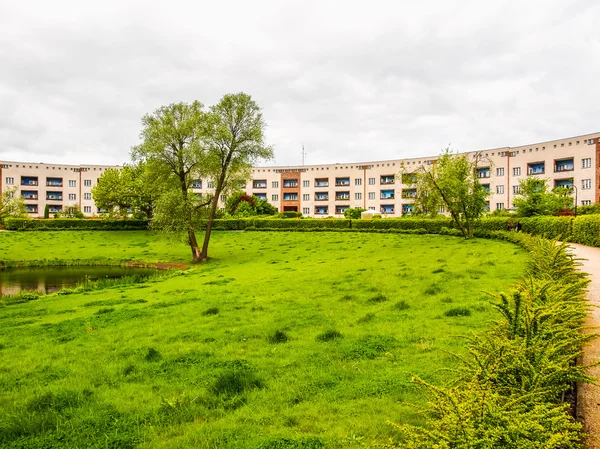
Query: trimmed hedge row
pixel 64 224
pixel 586 230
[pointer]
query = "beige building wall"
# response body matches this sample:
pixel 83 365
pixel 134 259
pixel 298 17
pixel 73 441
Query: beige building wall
pixel 371 185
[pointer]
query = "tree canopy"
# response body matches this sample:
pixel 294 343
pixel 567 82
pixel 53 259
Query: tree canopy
pixel 181 143
pixel 239 203
pixel 452 182
pixel 535 199
pixel 11 205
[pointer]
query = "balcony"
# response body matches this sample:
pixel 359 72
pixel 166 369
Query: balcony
pixel 321 197
pixel 387 209
pixel 29 181
pixel 323 182
pixel 342 196
pixel 54 196
pixel 387 195
pixel 538 168
pixel 567 183
pixel 341 209
pixel 409 178
pixel 387 179
pixel 564 165
pixel 290 197
pixel 486 187
pixel 342 182
pixel 321 210
pixel 483 172
pixel 290 183
pixel 407 209
pixel 54 209
pixel 54 182
pixel 29 195
pixel 262 184
pixel 197 184
pixel 31 208
pixel 409 193
pixel 262 196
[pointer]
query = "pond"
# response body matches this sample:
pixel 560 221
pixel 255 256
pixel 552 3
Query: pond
pixel 52 279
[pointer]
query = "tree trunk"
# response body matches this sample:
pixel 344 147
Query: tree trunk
pixel 194 245
pixel 211 218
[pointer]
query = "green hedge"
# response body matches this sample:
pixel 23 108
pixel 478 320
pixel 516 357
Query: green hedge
pixel 586 230
pixel 432 225
pixel 551 227
pixel 60 224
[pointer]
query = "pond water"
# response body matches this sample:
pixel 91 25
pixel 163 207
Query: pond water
pixel 53 279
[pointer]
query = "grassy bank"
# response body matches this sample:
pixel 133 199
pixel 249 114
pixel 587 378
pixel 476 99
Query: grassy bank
pixel 282 340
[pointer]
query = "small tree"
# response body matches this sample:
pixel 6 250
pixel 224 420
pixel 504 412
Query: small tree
pixel 11 205
pixel 236 140
pixel 535 199
pixel 46 212
pixel 353 213
pixel 451 182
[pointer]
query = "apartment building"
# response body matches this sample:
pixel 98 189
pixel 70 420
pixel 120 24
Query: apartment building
pixel 56 185
pixel 328 190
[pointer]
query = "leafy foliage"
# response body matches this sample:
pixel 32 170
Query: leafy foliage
pixel 534 198
pixel 353 213
pixel 510 393
pixel 11 205
pixel 451 182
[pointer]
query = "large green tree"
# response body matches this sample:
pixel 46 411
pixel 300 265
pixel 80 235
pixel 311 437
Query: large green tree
pixel 535 199
pixel 235 138
pixel 133 189
pixel 11 205
pixel 452 182
pixel 174 149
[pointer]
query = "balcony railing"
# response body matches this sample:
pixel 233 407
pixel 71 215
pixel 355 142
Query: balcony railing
pixel 342 184
pixel 560 168
pixel 536 172
pixel 54 197
pixel 290 184
pixel 387 180
pixel 290 198
pixel 30 197
pixel 483 175
pixel 321 212
pixel 259 186
pixel 386 197
pixel 321 198
pixel 342 198
pixel 29 183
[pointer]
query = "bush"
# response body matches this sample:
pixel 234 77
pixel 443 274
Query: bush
pixel 586 230
pixel 278 337
pixel 549 227
pixel 458 311
pixel 329 335
pixel 74 224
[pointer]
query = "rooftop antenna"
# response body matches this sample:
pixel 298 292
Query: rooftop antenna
pixel 303 155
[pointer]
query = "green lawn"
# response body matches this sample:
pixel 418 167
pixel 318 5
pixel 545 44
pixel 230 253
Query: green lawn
pixel 283 340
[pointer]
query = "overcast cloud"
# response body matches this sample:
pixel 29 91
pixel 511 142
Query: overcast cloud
pixel 352 81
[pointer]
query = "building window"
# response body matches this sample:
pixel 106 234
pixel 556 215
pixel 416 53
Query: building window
pixel 211 185
pixel 358 196
pixel 517 171
pixel 500 171
pixel 87 209
pixel 358 181
pixel 372 195
pixel 275 184
pixel 72 183
pixel 371 181
pixel 586 202
pixel 10 181
pixel 586 163
pixel 499 189
pixel 87 196
pixel 87 183
pixel 516 190
pixel 72 196
pixel 306 197
pixel 586 184
pixel 499 206
pixel 290 197
pixel 441 209
pixel 306 210
pixel 274 197
pixel 223 198
pixel 305 183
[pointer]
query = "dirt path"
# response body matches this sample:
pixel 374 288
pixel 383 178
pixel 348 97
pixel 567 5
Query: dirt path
pixel 588 396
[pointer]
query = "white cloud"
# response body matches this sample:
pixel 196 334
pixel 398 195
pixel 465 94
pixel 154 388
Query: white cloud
pixel 351 81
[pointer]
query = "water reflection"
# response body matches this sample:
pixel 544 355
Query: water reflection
pixel 53 279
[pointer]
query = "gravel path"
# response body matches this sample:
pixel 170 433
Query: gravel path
pixel 588 396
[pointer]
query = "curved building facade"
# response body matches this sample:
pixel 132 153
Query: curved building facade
pixel 330 189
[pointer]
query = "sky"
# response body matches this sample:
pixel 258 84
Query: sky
pixel 349 80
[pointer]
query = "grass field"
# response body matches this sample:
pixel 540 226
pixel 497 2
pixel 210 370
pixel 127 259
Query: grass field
pixel 283 340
